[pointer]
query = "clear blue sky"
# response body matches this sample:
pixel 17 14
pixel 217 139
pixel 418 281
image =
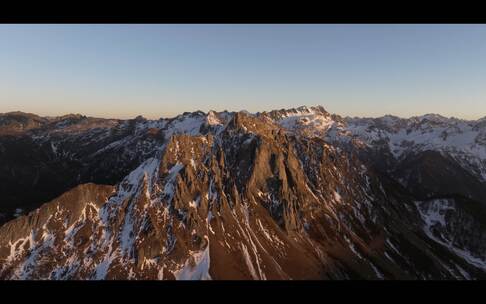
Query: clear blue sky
pixel 161 70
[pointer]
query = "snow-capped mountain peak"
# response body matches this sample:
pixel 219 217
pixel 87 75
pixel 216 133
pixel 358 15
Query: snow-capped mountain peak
pixel 297 193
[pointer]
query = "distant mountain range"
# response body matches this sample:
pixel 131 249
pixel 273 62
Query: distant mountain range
pixel 285 194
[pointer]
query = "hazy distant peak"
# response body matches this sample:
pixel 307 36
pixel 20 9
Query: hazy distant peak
pixel 431 117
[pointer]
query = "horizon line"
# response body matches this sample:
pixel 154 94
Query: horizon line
pixel 236 111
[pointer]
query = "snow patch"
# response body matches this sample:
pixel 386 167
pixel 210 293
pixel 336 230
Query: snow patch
pixel 196 267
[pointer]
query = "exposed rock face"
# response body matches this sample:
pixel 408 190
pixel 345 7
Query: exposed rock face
pixel 34 236
pixel 53 155
pixel 289 194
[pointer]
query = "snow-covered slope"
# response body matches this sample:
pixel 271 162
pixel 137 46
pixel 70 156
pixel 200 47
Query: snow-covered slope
pixel 461 139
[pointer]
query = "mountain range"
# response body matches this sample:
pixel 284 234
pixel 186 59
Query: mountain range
pixel 286 194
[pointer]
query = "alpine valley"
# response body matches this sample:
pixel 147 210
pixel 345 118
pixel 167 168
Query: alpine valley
pixel 285 194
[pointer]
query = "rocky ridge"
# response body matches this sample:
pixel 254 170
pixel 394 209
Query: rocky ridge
pixel 288 194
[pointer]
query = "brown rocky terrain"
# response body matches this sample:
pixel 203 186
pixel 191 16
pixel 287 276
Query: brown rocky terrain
pixel 253 196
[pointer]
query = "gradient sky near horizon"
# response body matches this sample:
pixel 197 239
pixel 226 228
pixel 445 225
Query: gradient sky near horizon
pixel 122 71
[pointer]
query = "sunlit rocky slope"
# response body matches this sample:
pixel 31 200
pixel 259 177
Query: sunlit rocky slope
pixel 285 194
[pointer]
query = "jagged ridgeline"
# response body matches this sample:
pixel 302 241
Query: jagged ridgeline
pixel 287 194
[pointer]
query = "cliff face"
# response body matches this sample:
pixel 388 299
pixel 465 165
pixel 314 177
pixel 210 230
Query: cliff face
pixel 239 196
